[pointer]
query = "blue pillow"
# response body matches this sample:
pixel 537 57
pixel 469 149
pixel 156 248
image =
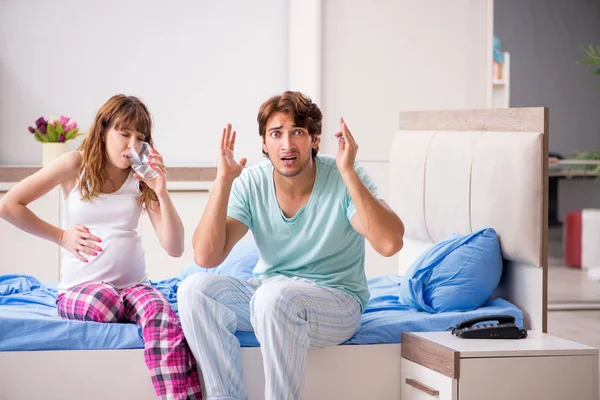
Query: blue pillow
pixel 239 263
pixel 456 274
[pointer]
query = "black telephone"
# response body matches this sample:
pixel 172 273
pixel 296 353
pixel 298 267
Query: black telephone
pixel 504 329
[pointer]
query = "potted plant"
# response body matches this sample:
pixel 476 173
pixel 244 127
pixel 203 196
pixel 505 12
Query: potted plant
pixel 591 59
pixel 593 157
pixel 54 134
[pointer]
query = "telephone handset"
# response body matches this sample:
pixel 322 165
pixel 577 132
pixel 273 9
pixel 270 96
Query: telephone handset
pixel 504 329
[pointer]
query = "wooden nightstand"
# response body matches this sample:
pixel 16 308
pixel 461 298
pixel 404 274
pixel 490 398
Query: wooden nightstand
pixel 438 365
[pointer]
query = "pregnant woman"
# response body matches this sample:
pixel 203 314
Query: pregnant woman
pixel 103 268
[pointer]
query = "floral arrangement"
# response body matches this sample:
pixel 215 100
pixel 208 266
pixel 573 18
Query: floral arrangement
pixel 55 129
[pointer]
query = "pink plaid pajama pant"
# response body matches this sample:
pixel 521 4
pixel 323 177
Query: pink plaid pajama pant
pixel 172 365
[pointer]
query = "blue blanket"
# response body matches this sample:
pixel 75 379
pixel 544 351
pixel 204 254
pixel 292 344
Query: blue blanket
pixel 28 318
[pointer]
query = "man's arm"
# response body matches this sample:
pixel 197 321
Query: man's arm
pixel 374 219
pixel 216 233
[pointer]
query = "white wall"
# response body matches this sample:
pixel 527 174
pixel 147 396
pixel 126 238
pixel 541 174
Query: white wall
pixel 543 38
pixel 381 57
pixel 197 65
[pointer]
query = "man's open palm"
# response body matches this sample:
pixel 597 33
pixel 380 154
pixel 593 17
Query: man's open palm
pixel 347 148
pixel 228 168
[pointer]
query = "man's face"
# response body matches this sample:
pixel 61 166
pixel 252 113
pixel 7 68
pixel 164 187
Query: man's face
pixel 289 147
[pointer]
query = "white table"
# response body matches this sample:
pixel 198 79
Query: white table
pixel 438 365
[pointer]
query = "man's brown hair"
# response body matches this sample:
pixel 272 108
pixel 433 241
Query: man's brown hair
pixel 306 114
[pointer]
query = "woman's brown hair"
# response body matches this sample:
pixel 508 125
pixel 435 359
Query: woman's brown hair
pixel 306 114
pixel 123 113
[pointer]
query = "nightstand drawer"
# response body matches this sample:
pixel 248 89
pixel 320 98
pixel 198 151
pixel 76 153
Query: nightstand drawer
pixel 421 383
pixel 558 377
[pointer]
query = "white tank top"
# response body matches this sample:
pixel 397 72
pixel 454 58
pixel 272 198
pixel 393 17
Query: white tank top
pixel 114 219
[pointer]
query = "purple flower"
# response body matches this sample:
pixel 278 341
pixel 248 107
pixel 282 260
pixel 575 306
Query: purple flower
pixel 64 120
pixel 71 126
pixel 41 122
pixel 31 129
pixel 42 129
pixel 61 138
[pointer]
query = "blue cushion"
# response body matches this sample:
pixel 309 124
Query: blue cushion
pixel 456 274
pixel 239 263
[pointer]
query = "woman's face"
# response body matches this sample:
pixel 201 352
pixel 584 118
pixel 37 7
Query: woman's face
pixel 117 144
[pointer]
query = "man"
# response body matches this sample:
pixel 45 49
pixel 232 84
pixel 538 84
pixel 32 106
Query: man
pixel 309 215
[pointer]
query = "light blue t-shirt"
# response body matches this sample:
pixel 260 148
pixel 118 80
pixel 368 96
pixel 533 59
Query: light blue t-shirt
pixel 318 243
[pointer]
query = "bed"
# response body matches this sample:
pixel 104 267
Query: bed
pixel 467 170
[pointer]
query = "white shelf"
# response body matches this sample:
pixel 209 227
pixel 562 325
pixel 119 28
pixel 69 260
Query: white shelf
pixel 500 88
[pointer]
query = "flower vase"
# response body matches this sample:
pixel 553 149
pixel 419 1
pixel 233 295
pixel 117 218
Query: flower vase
pixel 51 151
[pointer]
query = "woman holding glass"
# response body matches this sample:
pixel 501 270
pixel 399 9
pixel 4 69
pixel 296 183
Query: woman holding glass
pixel 103 267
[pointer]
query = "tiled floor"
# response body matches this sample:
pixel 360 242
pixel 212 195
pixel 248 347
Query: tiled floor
pixel 580 326
pixel 566 287
pixel 571 287
pixel 565 284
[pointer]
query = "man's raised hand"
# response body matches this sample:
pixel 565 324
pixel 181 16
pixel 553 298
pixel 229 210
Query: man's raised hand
pixel 347 149
pixel 227 167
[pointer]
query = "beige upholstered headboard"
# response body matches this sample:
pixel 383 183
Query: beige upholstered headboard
pixel 460 171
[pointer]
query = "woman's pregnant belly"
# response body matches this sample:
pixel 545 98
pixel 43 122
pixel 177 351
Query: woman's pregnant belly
pixel 120 263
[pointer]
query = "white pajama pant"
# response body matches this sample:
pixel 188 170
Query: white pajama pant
pixel 288 316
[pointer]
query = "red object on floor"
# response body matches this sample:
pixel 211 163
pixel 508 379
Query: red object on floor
pixel 572 239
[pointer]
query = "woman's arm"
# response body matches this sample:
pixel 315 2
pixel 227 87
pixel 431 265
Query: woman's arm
pixel 167 225
pixel 13 206
pixel 163 215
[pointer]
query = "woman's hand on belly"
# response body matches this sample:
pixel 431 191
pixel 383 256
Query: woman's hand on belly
pixel 78 240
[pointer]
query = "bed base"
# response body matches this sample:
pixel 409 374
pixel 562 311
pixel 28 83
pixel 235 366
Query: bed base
pixel 341 372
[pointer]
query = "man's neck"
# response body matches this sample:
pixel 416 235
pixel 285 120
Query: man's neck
pixel 299 185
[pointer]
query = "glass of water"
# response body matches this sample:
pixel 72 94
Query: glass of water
pixel 139 156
